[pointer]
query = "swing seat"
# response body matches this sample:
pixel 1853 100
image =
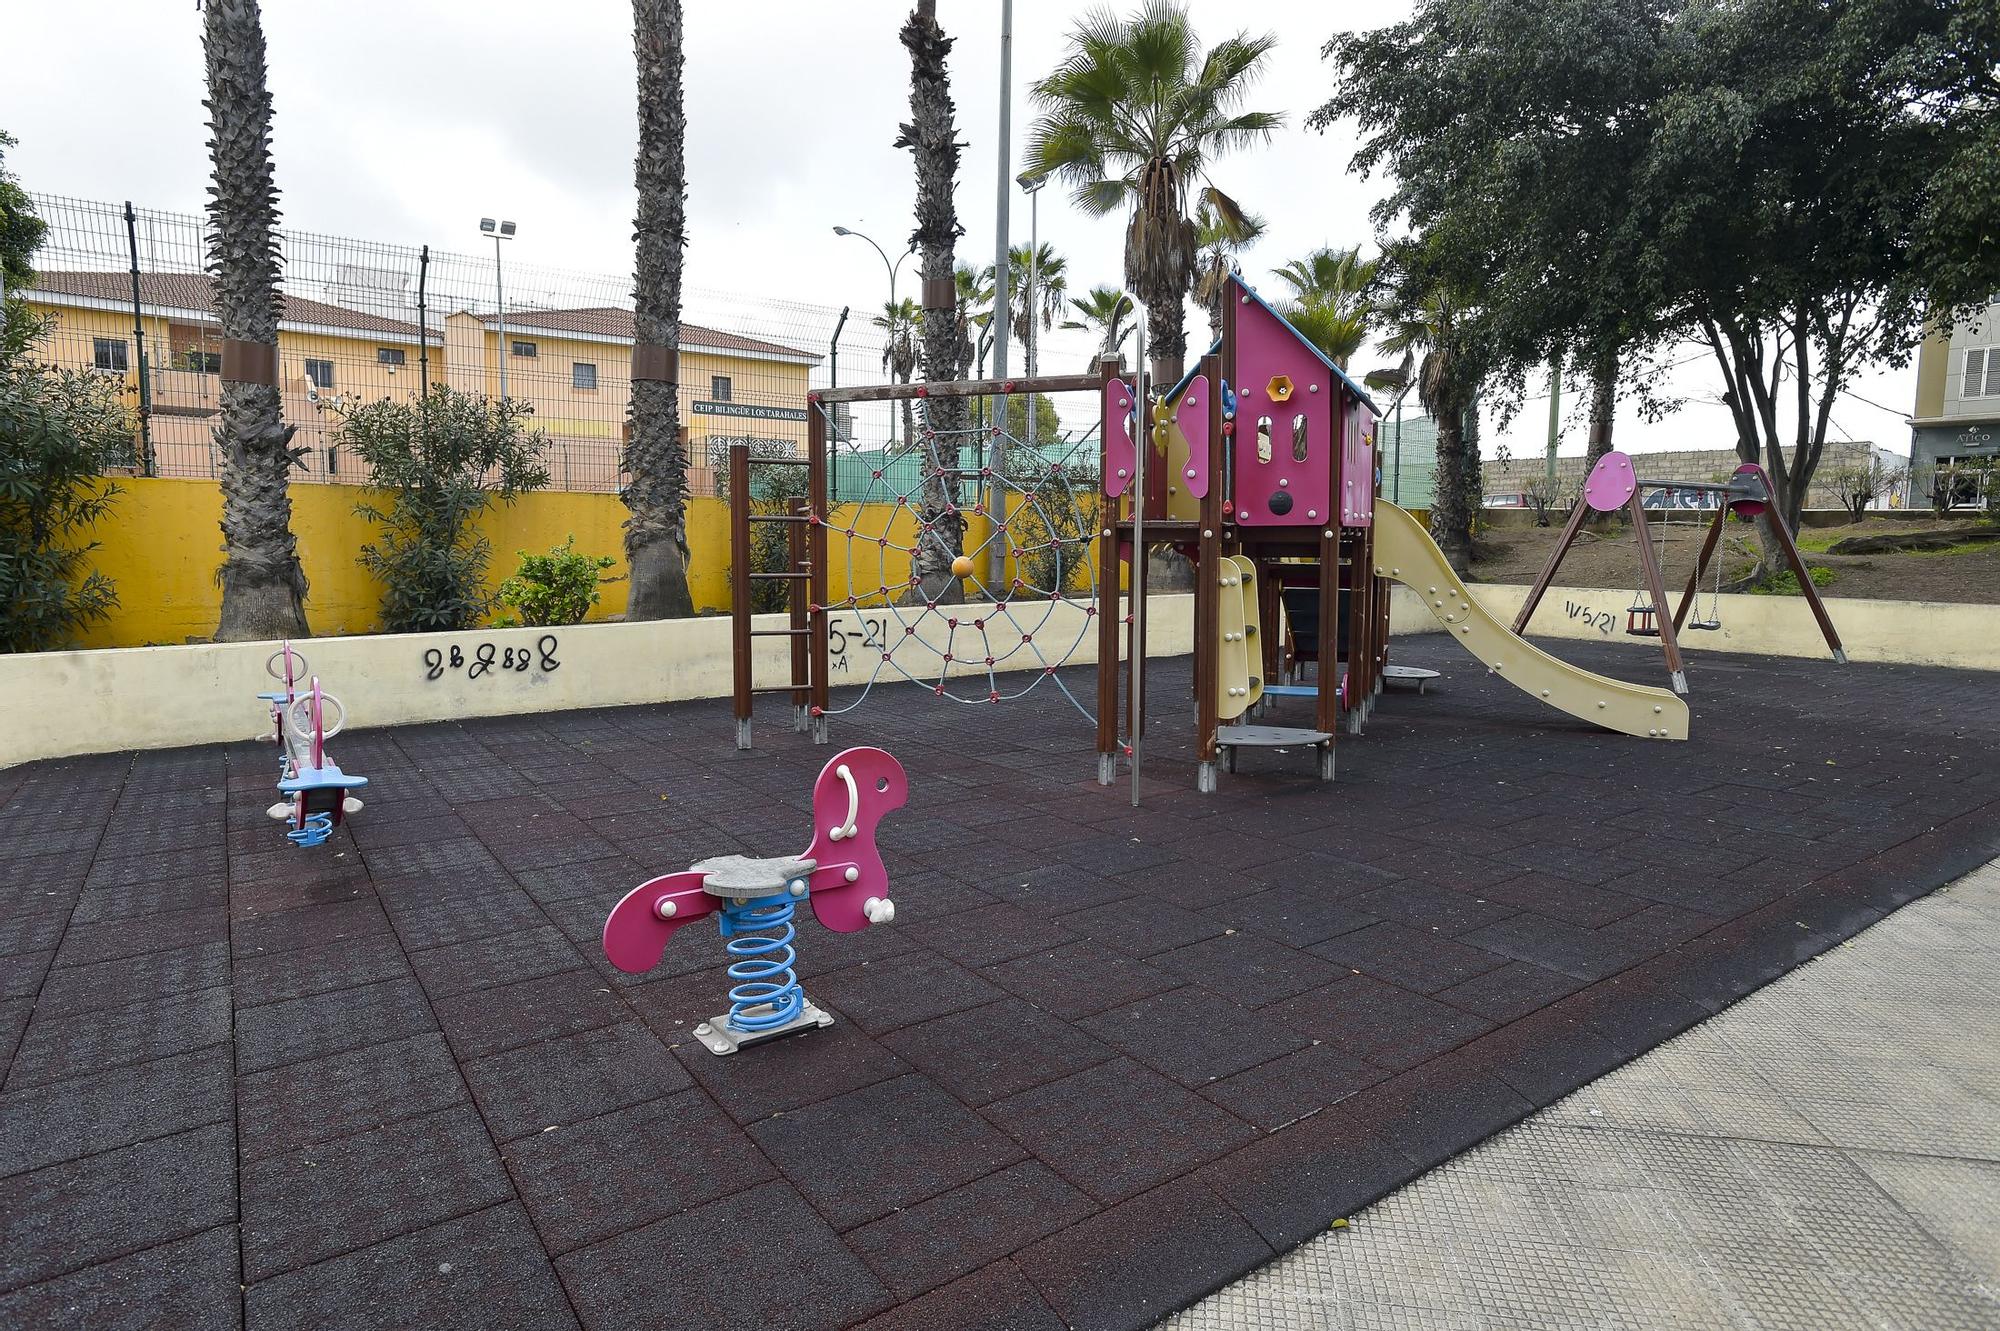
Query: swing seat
pixel 1709 625
pixel 1639 622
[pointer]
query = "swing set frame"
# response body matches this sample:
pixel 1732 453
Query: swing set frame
pixel 1613 485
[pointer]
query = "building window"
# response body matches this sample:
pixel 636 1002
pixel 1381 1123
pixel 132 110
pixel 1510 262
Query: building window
pixel 202 362
pixel 108 353
pixel 720 389
pixel 582 375
pixel 524 349
pixel 390 356
pixel 319 373
pixel 1982 373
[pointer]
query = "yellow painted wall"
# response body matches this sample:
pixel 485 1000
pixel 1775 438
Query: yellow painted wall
pixel 162 544
pixel 1933 358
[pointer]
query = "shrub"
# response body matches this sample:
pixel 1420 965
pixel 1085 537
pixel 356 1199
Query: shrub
pixel 438 462
pixel 552 589
pixel 1787 582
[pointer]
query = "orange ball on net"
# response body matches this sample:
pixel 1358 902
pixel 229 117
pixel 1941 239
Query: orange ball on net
pixel 961 567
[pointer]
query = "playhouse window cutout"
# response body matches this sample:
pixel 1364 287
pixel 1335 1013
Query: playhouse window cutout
pixel 1299 437
pixel 1263 438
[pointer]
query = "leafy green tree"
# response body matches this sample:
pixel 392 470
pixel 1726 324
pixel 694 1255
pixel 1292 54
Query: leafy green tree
pixel 437 463
pixel 1132 117
pixel 263 583
pixel 1051 272
pixel 1333 299
pixel 21 228
pixel 898 323
pixel 656 546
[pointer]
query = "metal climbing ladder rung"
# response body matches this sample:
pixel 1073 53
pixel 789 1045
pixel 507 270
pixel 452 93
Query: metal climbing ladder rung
pixel 803 578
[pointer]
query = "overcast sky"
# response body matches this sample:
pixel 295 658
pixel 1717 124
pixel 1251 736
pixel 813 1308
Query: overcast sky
pixel 407 121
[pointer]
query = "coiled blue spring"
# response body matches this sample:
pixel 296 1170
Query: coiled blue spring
pixel 759 934
pixel 318 827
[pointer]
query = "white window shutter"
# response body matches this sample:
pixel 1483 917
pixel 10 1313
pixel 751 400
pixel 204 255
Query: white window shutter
pixel 1975 373
pixel 1993 372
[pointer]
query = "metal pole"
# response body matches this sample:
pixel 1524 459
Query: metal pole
pixel 500 306
pixel 833 381
pixel 1396 458
pixel 1555 409
pixel 146 461
pixel 1001 196
pixel 1142 435
pixel 1034 283
pixel 423 326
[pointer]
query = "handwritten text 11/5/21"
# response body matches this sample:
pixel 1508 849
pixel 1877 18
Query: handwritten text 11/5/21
pixel 487 658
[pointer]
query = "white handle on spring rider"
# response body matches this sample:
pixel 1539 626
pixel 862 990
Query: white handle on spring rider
pixel 853 804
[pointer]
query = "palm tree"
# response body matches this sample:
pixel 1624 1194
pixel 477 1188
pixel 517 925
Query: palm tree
pixel 933 142
pixel 1332 301
pixel 1133 115
pixel 655 457
pixel 975 316
pixel 1432 336
pixel 898 321
pixel 1221 238
pixel 1051 288
pixel 1102 311
pixel 263 584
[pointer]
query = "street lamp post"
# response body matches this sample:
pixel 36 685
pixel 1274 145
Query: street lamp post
pixel 499 231
pixel 893 269
pixel 1032 182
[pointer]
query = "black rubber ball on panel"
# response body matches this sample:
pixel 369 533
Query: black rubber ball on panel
pixel 1281 502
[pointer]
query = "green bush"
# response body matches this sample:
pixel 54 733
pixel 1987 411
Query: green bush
pixel 552 589
pixel 1787 582
pixel 437 462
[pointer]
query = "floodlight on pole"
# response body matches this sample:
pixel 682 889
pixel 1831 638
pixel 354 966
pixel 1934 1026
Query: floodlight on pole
pixel 499 231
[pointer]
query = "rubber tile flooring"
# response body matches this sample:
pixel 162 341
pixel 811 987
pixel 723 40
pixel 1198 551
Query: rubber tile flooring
pixel 1104 1061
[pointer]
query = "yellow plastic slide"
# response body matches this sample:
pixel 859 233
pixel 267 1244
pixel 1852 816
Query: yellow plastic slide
pixel 1405 552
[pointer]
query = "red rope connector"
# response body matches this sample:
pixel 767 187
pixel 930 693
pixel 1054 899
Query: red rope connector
pixel 818 711
pixel 995 695
pixel 1007 386
pixel 923 390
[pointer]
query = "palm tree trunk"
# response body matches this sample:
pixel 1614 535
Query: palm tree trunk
pixel 656 458
pixel 933 141
pixel 263 584
pixel 1451 520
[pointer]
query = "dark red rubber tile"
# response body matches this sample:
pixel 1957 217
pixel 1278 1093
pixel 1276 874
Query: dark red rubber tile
pixel 790 1073
pixel 1058 889
pixel 490 1021
pixel 320 1201
pixel 186 1284
pixel 110 1109
pixel 1514 990
pixel 572 1078
pixel 1442 910
pixel 997 1297
pixel 108 940
pixel 987 934
pixel 713 1267
pixel 588 1181
pixel 1141 927
pixel 936 1241
pixel 861 1155
pixel 1080 979
pixel 70 1216
pixel 1164 1129
pixel 1368 1019
pixel 1419 960
pixel 298 1029
pixel 1294 1183
pixel 138 901
pixel 483 963
pixel 303 1104
pixel 1293 1086
pixel 1250 968
pixel 901 990
pixel 1194 1036
pixel 318 969
pixel 1117 1270
pixel 60 1047
pixel 1434 1111
pixel 1584 953
pixel 501 912
pixel 482 1272
pixel 992 1051
pixel 266 932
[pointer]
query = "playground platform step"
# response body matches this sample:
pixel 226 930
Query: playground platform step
pixel 1268 737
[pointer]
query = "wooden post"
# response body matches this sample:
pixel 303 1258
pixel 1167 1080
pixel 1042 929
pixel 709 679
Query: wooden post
pixel 1107 588
pixel 798 599
pixel 739 586
pixel 1649 565
pixel 816 552
pixel 1577 517
pixel 1806 588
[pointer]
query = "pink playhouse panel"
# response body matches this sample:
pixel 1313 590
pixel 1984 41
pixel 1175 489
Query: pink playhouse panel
pixel 1357 466
pixel 1118 452
pixel 1285 405
pixel 1192 416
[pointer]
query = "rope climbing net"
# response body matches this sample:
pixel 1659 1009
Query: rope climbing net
pixel 925 520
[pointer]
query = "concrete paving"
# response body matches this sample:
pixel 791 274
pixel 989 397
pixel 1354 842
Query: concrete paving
pixel 1826 1153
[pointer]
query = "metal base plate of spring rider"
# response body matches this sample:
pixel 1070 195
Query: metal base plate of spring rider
pixel 840 875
